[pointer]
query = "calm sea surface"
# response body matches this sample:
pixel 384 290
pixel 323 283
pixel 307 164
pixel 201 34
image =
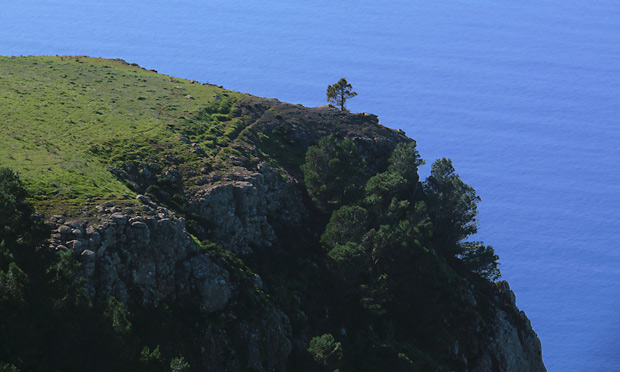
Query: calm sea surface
pixel 523 96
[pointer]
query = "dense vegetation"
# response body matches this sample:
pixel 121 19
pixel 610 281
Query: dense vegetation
pixel 396 253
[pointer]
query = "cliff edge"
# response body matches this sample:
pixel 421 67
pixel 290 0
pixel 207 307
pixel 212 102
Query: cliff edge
pixel 198 239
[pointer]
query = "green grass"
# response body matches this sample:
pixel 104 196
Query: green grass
pixel 65 120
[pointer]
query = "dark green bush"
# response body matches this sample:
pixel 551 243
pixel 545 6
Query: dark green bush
pixel 333 173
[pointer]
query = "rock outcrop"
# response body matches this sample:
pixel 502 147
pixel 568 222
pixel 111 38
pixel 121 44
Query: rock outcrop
pixel 147 256
pixel 513 346
pixel 239 213
pixel 151 254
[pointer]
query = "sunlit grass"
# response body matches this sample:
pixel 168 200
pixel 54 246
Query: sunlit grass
pixel 64 120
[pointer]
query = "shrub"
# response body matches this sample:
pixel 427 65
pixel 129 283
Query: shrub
pixel 179 365
pixel 326 351
pixel 333 172
pixel 346 224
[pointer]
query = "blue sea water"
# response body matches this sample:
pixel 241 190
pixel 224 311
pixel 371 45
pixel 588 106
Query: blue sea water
pixel 524 97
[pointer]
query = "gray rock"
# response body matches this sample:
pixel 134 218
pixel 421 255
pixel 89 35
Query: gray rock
pixel 238 211
pixel 74 224
pixel 138 225
pixel 173 175
pixel 65 230
pixel 94 240
pixel 75 245
pixel 143 199
pixel 58 219
pixel 211 282
pixel 119 218
pixel 151 255
pixel 87 258
pixel 512 349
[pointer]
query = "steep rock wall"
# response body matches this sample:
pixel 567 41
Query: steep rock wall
pixel 151 254
pixel 240 209
pixel 513 346
pixel 147 256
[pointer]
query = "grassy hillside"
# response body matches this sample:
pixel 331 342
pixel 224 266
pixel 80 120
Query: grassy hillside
pixel 64 120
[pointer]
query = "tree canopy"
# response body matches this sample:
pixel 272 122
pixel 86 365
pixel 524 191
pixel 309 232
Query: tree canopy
pixel 452 206
pixel 339 93
pixel 333 172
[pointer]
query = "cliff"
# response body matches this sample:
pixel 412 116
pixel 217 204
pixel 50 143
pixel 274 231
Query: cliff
pixel 188 212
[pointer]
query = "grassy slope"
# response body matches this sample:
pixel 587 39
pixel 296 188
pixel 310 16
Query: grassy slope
pixel 64 120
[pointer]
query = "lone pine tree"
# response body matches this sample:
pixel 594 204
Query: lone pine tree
pixel 339 93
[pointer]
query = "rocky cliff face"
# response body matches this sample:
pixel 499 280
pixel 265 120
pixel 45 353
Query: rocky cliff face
pixel 511 344
pixel 239 208
pixel 143 255
pixel 147 253
pixel 146 256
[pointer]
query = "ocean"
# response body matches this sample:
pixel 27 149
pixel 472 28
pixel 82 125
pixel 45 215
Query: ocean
pixel 524 97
